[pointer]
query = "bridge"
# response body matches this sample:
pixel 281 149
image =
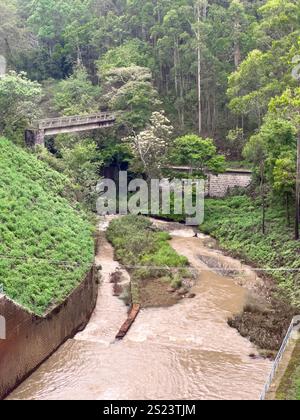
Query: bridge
pixel 36 134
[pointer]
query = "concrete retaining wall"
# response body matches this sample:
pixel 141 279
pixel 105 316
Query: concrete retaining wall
pixel 219 186
pixel 31 339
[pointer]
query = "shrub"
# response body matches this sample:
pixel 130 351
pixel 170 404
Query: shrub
pixel 236 223
pixel 146 251
pixel 46 244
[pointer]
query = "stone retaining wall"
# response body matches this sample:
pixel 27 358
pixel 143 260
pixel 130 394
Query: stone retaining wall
pixel 219 186
pixel 31 339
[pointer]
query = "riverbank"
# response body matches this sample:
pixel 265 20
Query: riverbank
pixel 182 351
pixel 159 275
pixel 31 339
pixel 289 387
pixel 235 224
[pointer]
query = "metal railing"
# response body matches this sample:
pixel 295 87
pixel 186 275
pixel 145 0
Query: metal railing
pixel 74 120
pixel 295 322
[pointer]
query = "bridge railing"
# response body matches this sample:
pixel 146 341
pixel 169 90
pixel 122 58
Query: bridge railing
pixel 295 323
pixel 74 120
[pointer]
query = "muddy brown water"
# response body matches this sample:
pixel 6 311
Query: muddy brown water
pixel 186 351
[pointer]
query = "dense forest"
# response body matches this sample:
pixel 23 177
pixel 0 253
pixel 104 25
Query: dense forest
pixel 209 83
pixel 213 66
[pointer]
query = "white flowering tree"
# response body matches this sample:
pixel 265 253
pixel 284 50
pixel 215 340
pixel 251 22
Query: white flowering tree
pixel 151 146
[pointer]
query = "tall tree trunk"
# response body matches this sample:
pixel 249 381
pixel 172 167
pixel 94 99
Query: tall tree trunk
pixel 297 215
pixel 262 189
pixel 288 218
pixel 181 89
pixel 175 67
pixel 237 54
pixel 199 68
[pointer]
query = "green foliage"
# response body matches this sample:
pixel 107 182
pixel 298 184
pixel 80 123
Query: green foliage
pixel 19 99
pixel 146 252
pixel 46 244
pixel 289 387
pixel 287 106
pixel 236 223
pixel 275 147
pixel 201 154
pixel 267 70
pixel 152 145
pixel 82 163
pixel 159 35
pixel 131 90
pixel 131 53
pixel 284 173
pixel 77 95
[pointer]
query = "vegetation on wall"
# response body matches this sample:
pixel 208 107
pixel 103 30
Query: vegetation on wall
pixel 46 244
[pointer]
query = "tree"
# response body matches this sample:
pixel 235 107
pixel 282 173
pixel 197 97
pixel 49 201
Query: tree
pixel 267 70
pixel 284 178
pixel 81 160
pixel 239 21
pixel 288 105
pixel 131 53
pixel 200 154
pixel 14 36
pixel 250 87
pixel 256 151
pixel 201 14
pixel 130 89
pixel 77 95
pixel 151 146
pixel 235 143
pixel 269 150
pixel 19 99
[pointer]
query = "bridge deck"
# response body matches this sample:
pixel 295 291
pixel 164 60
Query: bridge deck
pixel 77 120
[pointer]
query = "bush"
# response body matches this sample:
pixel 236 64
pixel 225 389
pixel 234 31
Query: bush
pixel 144 250
pixel 237 223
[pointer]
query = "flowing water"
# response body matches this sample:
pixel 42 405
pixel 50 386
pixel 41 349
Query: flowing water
pixel 186 351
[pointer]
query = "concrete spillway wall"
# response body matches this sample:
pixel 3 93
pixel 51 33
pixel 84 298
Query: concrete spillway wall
pixel 31 339
pixel 219 185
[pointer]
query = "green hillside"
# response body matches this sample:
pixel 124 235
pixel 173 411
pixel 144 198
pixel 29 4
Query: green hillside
pixel 46 244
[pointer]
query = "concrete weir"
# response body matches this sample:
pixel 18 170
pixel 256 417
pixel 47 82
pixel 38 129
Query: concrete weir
pixel 30 339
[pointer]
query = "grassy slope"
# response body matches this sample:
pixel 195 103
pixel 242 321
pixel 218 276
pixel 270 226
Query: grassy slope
pixel 289 388
pixel 39 229
pixel 236 223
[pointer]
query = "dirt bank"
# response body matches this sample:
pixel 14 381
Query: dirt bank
pixel 264 323
pixel 183 351
pixel 264 319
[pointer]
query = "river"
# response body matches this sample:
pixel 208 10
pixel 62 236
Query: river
pixel 186 351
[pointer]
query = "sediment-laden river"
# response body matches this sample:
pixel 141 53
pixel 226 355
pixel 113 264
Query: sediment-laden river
pixel 186 351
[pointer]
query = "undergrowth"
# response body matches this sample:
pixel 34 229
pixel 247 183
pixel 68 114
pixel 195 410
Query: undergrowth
pixel 46 244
